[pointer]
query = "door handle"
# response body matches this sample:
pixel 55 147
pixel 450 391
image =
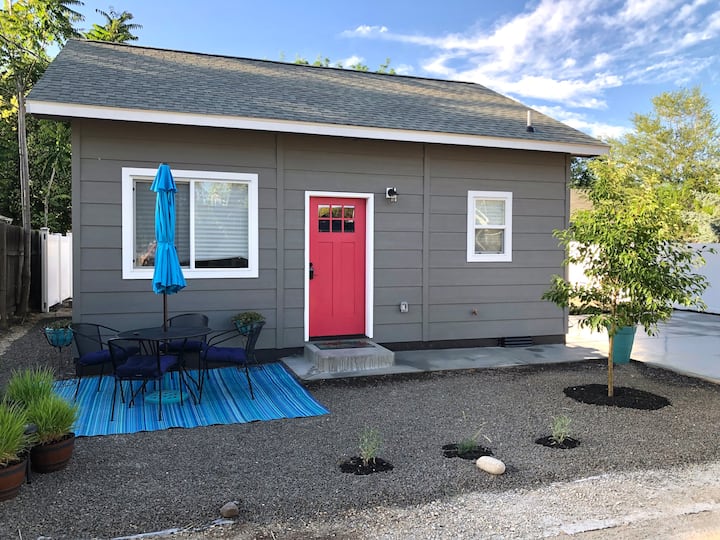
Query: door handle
pixel 312 271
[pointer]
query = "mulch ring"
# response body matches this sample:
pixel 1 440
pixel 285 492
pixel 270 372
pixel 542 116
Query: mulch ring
pixel 631 398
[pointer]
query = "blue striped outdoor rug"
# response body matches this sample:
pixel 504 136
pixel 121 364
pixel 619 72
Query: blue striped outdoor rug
pixel 226 400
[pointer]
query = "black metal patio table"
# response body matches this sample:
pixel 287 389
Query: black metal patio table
pixel 159 335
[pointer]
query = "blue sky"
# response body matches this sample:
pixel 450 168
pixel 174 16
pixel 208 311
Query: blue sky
pixel 589 63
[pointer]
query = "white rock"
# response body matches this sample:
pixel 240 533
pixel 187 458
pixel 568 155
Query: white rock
pixel 490 465
pixel 229 510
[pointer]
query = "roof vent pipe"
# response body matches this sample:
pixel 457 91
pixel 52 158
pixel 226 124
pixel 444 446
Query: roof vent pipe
pixel 530 128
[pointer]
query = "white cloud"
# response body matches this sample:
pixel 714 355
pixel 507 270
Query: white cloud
pixel 404 69
pixel 581 122
pixel 351 60
pixel 365 30
pixel 571 51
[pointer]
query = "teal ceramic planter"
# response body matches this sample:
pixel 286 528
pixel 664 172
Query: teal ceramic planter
pixel 623 344
pixel 59 337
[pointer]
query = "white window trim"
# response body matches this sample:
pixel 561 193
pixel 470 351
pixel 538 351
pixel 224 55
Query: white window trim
pixel 505 196
pixel 130 174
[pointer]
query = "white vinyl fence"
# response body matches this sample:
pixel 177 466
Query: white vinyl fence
pixel 711 271
pixel 56 257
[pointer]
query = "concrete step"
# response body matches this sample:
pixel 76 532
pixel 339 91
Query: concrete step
pixel 347 355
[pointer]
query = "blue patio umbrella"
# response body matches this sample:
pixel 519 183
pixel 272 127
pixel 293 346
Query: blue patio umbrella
pixel 168 277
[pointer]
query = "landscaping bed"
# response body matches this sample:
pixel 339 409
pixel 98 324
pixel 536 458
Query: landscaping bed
pixel 285 473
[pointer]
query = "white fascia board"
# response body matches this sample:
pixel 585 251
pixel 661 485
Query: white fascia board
pixel 69 110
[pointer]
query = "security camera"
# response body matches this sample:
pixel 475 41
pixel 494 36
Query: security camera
pixel 391 193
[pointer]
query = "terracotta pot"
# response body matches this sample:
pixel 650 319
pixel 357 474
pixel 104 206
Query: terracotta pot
pixel 11 480
pixel 53 456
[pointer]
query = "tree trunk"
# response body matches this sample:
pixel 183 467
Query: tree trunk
pixel 46 203
pixel 24 200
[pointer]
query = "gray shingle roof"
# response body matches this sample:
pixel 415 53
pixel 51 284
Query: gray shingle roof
pixel 137 78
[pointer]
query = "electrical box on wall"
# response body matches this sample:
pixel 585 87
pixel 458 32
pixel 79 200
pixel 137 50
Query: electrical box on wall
pixel 404 307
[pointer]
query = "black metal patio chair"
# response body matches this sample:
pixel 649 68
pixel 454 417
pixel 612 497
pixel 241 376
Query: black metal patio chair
pixel 91 343
pixel 215 352
pixel 140 360
pixel 187 320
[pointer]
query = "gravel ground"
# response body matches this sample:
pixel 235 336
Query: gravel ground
pixel 285 473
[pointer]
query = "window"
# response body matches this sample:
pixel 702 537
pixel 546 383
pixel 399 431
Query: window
pixel 489 234
pixel 216 223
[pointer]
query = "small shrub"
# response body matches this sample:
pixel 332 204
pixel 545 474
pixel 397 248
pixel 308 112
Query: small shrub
pixel 560 428
pixel 29 385
pixel 247 317
pixel 57 324
pixel 13 441
pixel 53 416
pixel 468 444
pixel 370 443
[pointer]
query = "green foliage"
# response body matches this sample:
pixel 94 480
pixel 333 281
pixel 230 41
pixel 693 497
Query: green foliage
pixel 678 144
pixel 323 61
pixel 29 385
pixel 247 317
pixel 13 441
pixel 580 175
pixel 560 428
pixel 53 416
pixel 385 68
pixel 468 444
pixel 58 323
pixel 49 149
pixel 636 269
pixel 369 445
pixel 117 27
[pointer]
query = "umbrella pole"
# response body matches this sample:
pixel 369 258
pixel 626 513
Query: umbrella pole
pixel 165 312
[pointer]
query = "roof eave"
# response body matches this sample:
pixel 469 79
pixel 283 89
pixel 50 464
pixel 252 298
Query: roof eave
pixel 70 110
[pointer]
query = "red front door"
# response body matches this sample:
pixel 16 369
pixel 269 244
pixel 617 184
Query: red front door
pixel 337 266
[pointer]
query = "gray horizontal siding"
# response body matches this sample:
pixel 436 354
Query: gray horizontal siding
pixel 505 295
pixel 105 148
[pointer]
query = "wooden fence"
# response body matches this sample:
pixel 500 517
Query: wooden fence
pixel 12 251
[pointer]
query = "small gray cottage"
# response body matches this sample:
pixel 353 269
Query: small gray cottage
pixel 416 212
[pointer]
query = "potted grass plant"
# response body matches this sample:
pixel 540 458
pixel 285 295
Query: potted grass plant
pixel 13 445
pixel 54 418
pixel 28 385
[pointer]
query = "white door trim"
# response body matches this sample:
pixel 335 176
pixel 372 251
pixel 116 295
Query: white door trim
pixel 369 252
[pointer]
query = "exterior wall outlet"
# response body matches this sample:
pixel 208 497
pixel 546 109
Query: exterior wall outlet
pixel 404 307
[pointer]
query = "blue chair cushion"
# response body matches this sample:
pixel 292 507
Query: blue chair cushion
pixel 145 367
pixel 235 355
pixel 95 358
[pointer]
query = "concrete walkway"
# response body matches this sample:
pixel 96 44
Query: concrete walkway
pixel 689 343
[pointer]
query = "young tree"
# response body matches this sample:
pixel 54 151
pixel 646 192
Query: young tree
pixel 637 269
pixel 117 27
pixel 27 29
